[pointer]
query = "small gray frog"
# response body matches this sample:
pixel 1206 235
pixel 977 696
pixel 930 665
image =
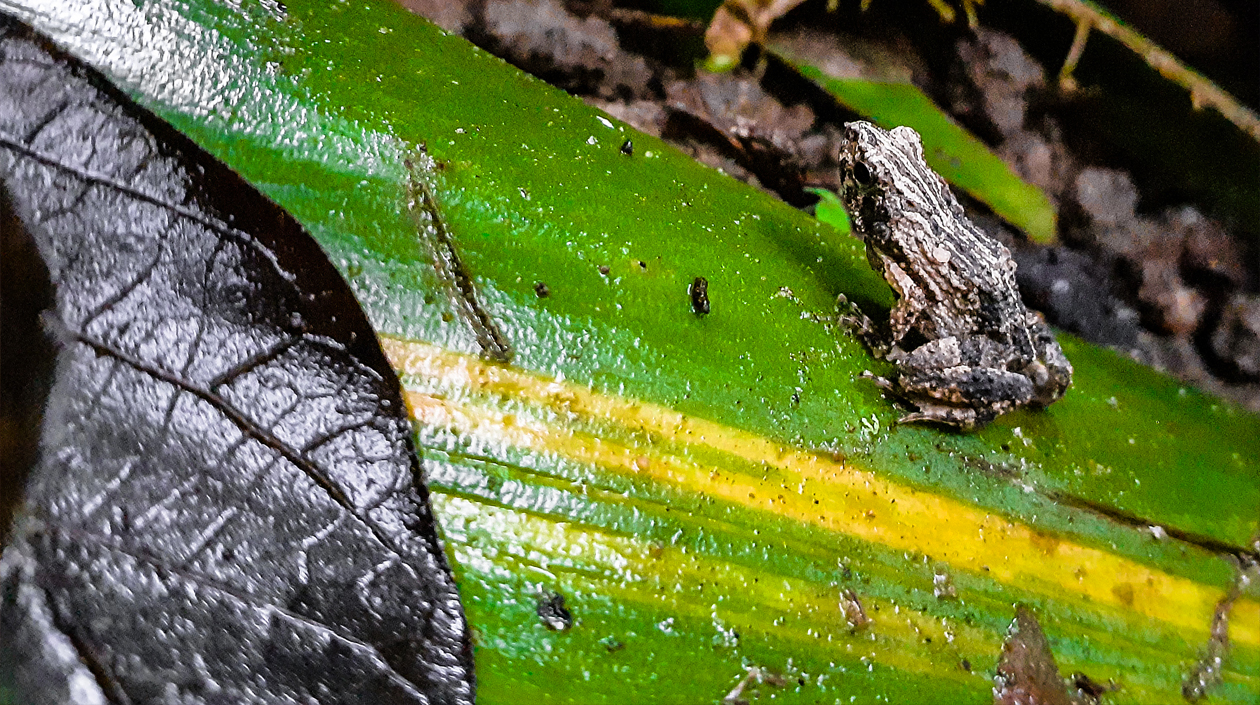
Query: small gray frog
pixel 965 346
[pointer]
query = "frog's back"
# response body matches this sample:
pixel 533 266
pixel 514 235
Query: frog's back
pixel 964 271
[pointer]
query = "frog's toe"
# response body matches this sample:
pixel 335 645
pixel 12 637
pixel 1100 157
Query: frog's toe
pixel 882 382
pixel 961 418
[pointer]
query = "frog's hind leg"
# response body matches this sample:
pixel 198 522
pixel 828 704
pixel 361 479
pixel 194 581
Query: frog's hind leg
pixel 947 390
pixel 968 386
pixel 961 417
pixel 935 380
pixel 962 396
pixel 931 410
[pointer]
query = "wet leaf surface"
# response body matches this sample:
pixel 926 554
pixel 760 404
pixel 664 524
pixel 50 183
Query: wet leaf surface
pixel 227 505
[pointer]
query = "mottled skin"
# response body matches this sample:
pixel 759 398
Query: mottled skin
pixel 965 346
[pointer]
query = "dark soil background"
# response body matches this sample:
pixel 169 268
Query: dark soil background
pixel 1159 203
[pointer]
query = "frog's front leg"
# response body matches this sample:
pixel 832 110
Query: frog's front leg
pixel 911 304
pixel 873 335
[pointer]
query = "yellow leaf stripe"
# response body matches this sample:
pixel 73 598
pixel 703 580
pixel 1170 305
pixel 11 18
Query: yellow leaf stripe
pixel 811 489
pixel 904 639
pixel 802 611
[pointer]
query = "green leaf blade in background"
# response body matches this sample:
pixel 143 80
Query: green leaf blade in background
pixel 729 473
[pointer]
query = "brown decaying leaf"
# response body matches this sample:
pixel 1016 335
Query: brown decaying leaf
pixel 1026 672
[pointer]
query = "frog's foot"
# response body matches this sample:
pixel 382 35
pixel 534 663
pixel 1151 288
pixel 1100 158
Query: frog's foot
pixel 851 318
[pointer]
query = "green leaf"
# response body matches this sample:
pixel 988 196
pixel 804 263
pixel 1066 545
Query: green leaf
pixel 830 209
pixel 700 490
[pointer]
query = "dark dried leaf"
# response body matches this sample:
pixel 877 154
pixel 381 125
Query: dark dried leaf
pixel 227 506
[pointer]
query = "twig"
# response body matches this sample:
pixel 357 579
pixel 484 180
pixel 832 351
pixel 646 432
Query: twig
pixel 1203 93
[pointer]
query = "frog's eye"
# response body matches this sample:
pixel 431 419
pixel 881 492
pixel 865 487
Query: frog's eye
pixel 862 175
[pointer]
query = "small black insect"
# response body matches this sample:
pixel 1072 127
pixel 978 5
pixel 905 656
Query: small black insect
pixel 699 291
pixel 627 148
pixel 542 290
pixel 553 613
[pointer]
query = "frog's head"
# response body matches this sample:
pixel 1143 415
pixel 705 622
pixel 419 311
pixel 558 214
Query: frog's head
pixel 882 172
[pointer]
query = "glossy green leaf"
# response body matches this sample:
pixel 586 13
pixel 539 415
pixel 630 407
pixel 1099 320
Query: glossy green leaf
pixel 699 489
pixel 952 151
pixel 830 209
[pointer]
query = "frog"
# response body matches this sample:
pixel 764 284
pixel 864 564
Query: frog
pixel 965 347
